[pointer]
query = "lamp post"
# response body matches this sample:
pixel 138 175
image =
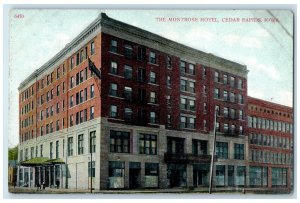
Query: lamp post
pixel 213 152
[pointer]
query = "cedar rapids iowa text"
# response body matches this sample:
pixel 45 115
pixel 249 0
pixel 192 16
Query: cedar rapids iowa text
pixel 217 20
pixel 148 121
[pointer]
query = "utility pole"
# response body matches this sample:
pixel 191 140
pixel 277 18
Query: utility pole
pixel 213 153
pixel 91 164
pixel 97 72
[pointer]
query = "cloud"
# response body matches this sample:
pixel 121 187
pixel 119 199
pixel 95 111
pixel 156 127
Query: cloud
pixel 284 97
pixel 244 41
pixel 259 68
pixel 200 34
pixel 260 33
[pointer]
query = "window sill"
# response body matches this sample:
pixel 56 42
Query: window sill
pixel 154 64
pixel 154 84
pixel 119 76
pixel 116 97
pixel 115 53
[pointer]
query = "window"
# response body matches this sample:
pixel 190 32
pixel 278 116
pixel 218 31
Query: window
pixel 128 93
pixel 114 68
pixel 183 85
pixel 169 120
pixel 51 150
pixel 168 97
pixel 153 97
pixel 241 114
pixel 199 147
pixel 71 120
pixel 169 81
pixel 80 144
pixel 217 76
pixel 241 170
pixel 57 150
pixel 141 53
pixel 232 97
pixel 77 59
pixel 92 143
pixel 70 146
pixel 240 83
pixel 192 69
pixel 225 79
pixel 91 169
pixel 225 95
pixel 119 141
pixel 240 99
pixel 217 93
pixel 92 48
pixel 57 125
pixel 152 117
pixel 148 144
pixel 81 76
pixel 232 113
pixel 92 91
pixel 169 61
pixel 116 171
pixel 113 89
pixel 91 112
pixel 42 130
pixel 41 150
pixel 152 77
pixel 192 105
pixel 204 72
pixel 128 52
pixel 71 82
pixel 71 101
pixel 41 115
pixel 232 81
pixel 239 151
pixel 182 66
pixel 72 63
pixel 114 46
pixel 128 114
pixel 57 73
pixel 31 152
pixel 192 87
pixel 57 107
pixel 128 72
pixel 220 175
pixel 222 150
pixel 141 74
pixel 57 90
pixel 217 127
pixel 226 114
pixel 113 111
pixel 152 57
pixel 187 122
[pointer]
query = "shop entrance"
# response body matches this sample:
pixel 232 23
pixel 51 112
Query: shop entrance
pixel 134 174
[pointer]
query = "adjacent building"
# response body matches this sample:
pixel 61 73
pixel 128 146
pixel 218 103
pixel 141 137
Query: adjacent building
pixel 148 122
pixel 270 131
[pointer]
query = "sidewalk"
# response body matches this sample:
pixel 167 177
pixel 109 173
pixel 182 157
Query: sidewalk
pixel 203 191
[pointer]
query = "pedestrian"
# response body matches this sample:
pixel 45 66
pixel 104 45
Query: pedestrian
pixel 38 186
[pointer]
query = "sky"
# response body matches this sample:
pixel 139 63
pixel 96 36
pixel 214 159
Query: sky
pixel 265 47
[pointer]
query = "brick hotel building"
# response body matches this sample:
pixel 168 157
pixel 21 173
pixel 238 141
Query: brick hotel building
pixel 270 131
pixel 147 123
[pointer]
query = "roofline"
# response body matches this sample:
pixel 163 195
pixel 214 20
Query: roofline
pixel 105 21
pixel 268 103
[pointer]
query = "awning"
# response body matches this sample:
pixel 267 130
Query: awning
pixel 39 161
pixel 35 161
pixel 55 161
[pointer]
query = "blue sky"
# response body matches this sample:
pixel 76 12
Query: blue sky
pixel 266 48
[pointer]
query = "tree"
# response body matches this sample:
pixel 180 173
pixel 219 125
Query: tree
pixel 13 153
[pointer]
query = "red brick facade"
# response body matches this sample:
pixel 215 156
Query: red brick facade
pixel 270 138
